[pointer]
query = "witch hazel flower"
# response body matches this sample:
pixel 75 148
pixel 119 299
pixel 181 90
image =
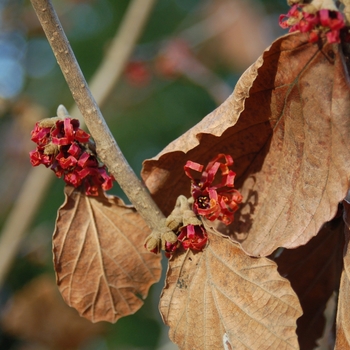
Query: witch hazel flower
pixel 190 236
pixel 193 237
pixel 67 150
pixel 214 195
pixel 319 23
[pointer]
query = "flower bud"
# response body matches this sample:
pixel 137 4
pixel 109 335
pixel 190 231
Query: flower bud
pixel 169 236
pixel 152 244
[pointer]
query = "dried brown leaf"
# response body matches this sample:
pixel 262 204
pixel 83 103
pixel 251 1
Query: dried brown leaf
pixel 314 272
pixel 222 295
pixel 101 265
pixel 343 315
pixel 287 126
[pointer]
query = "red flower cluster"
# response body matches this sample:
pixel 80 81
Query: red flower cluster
pixel 214 198
pixel 211 199
pixel 191 237
pixel 64 147
pixel 323 21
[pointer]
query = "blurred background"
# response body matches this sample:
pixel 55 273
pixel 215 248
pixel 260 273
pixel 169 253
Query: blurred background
pixel 186 62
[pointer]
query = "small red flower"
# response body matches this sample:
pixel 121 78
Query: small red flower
pixel 37 158
pixel 214 199
pixel 292 15
pixel 138 74
pixel 193 237
pixel 328 22
pixel 40 135
pixel 170 248
pixel 64 148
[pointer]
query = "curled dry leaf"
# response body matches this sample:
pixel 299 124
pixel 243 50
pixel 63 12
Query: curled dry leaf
pixel 343 315
pixel 287 126
pixel 100 262
pixel 222 296
pixel 314 272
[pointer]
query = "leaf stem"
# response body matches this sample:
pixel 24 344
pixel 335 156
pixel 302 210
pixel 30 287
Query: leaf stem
pixel 107 148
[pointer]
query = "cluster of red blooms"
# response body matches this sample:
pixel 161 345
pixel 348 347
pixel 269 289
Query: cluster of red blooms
pixel 64 147
pixel 214 198
pixel 323 21
pixel 191 237
pixel 215 201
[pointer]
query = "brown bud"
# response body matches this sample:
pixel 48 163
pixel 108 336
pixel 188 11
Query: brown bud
pixel 174 220
pixel 48 122
pixel 190 218
pixel 51 149
pixel 169 236
pixel 152 243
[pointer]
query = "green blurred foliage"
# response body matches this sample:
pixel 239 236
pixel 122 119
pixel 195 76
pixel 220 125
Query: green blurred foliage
pixel 143 119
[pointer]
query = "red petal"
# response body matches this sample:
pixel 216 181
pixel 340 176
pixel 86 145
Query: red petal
pixel 68 130
pixel 82 136
pixel 191 234
pixel 313 37
pixel 63 141
pixel 74 150
pixel 68 162
pixel 208 175
pixel 73 179
pixel 333 36
pixel 282 23
pixel 35 158
pixel 192 166
pixel 83 159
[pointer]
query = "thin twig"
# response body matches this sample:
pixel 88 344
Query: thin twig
pixel 106 146
pixel 38 179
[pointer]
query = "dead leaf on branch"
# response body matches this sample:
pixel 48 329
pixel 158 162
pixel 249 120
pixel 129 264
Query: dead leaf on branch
pixel 101 264
pixel 314 272
pixel 221 293
pixel 343 315
pixel 287 126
